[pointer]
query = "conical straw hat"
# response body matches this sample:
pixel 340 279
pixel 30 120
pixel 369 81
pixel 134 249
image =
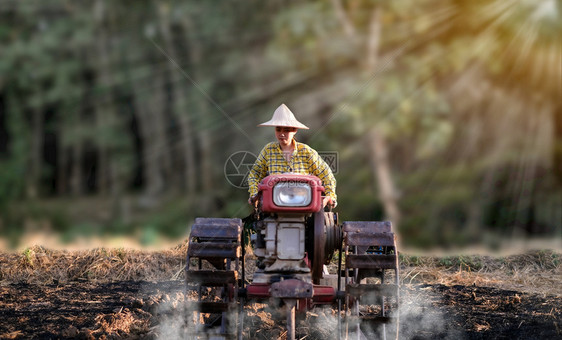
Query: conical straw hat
pixel 284 117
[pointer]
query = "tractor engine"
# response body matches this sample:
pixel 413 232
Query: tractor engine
pixel 289 203
pixel 280 244
pixel 294 238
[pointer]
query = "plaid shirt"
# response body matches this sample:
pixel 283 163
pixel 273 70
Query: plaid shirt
pixel 305 161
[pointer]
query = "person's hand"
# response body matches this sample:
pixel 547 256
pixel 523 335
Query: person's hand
pixel 252 200
pixel 328 200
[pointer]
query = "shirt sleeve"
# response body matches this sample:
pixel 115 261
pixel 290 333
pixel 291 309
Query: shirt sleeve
pixel 257 172
pixel 320 169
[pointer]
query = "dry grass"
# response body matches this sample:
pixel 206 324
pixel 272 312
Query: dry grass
pixel 123 323
pixel 536 272
pixel 40 265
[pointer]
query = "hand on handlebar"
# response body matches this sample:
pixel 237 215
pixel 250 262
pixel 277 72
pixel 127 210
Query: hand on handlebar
pixel 327 200
pixel 253 200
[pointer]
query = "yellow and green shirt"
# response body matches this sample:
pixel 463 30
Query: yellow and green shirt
pixel 305 161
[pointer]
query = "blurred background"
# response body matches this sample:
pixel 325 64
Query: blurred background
pixel 117 118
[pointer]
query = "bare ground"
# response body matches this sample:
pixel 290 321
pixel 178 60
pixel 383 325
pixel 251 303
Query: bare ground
pixel 119 294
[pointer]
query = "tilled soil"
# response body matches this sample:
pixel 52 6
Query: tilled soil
pixel 148 310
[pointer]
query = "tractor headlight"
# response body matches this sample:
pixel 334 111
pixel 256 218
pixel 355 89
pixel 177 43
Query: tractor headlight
pixel 291 194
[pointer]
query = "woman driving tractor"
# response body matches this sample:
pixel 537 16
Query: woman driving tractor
pixel 289 156
pixel 292 239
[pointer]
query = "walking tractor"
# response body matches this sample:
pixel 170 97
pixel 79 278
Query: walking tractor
pixel 293 238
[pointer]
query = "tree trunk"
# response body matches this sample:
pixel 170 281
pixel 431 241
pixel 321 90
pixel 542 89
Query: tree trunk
pixel 32 187
pixel 105 111
pixel 195 56
pixel 374 41
pixel 76 169
pixel 377 140
pixel 111 174
pixel 61 170
pixel 557 147
pixel 383 174
pixel 103 159
pixel 149 104
pixel 206 151
pixel 157 119
pixel 344 19
pixel 188 149
pixel 153 177
pixel 377 145
pixel 180 104
pixel 62 162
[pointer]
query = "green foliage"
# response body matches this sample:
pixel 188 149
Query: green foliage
pixel 463 92
pixel 464 263
pixel 28 256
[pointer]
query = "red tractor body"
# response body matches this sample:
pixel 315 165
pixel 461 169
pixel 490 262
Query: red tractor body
pixel 293 239
pixel 269 191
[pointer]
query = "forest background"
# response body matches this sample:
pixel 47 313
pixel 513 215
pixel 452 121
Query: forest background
pixel 127 118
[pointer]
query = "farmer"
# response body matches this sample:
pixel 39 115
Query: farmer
pixel 289 156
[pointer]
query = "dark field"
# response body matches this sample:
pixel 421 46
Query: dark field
pixel 109 294
pixel 88 310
